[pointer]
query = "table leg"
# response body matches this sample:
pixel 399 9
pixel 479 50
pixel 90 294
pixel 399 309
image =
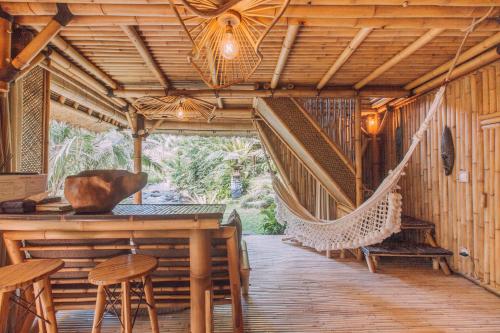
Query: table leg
pixel 200 271
pixel 16 257
pixel 126 308
pixel 4 310
pixel 233 255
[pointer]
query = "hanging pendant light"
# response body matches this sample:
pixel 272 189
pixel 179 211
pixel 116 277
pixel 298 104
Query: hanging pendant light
pixel 226 38
pixel 229 47
pixel 175 107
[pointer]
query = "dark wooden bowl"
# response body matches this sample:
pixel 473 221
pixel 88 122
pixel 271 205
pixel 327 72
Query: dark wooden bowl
pixel 99 191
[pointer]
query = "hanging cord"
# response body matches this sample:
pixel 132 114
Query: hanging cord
pixel 468 31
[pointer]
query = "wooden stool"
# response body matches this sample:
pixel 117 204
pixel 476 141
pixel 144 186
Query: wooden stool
pixel 123 270
pixel 23 275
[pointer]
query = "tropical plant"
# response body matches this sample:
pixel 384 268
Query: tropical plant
pixel 270 225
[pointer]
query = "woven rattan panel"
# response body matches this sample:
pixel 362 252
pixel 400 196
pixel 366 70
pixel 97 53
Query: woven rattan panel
pixel 32 121
pixel 315 143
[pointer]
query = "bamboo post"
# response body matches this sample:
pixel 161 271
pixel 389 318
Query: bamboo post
pixel 375 160
pixel 200 281
pixel 138 137
pixel 358 152
pixel 291 33
pixel 46 122
pixel 233 255
pixel 16 257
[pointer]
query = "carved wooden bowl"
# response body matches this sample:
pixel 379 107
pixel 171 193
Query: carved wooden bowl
pixel 99 191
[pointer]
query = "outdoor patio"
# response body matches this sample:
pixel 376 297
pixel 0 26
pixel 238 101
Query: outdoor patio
pixel 297 290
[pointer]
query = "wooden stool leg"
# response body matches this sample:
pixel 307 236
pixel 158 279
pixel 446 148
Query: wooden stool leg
pixel 153 316
pixel 444 266
pixel 99 309
pixel 209 309
pixel 233 257
pixel 4 310
pixel 371 266
pixel 126 318
pixel 39 310
pixel 48 305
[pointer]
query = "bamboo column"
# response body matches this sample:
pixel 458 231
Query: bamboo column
pixel 200 280
pixel 138 137
pixel 358 149
pixel 46 122
pixel 5 46
pixel 375 150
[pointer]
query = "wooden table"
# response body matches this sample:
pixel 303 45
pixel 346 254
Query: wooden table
pixel 199 220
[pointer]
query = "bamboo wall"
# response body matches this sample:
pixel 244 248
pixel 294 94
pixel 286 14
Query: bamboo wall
pixel 466 214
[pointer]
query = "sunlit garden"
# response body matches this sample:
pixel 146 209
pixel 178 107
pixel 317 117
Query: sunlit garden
pixel 181 169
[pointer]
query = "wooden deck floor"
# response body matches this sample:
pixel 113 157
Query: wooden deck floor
pixel 297 290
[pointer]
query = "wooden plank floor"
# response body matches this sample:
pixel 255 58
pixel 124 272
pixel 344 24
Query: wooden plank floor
pixel 296 290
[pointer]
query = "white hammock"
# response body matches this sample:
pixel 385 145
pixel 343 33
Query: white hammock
pixel 370 223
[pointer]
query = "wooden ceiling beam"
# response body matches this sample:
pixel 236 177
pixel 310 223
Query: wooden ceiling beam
pixel 465 56
pixel 293 11
pixel 465 3
pixel 381 23
pixel 465 68
pixel 134 37
pixel 347 92
pixel 410 49
pixel 344 56
pixel 291 34
pixel 77 57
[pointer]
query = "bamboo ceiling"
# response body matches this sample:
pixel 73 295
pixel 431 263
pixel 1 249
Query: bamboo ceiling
pixel 141 45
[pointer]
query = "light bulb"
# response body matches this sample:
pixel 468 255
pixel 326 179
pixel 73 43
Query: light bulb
pixel 180 112
pixel 229 47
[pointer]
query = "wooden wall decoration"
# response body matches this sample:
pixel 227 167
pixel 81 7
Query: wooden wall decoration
pixel 466 212
pixel 226 38
pixel 447 151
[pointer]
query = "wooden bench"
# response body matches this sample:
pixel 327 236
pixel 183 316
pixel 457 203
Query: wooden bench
pixel 394 246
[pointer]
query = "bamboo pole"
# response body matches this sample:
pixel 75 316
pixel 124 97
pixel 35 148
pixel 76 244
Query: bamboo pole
pixel 358 153
pixel 138 156
pixel 235 93
pixel 464 3
pixel 78 58
pixel 46 122
pixel 410 49
pixel 145 54
pixel 465 56
pixel 344 56
pixel 293 11
pixel 479 61
pixel 62 17
pixel 291 33
pixel 381 23
pixel 200 262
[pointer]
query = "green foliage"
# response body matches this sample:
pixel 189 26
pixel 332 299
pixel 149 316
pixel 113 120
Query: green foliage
pixel 271 225
pixel 202 167
pixel 73 150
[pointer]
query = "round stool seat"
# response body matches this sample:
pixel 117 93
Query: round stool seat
pixel 26 273
pixel 122 269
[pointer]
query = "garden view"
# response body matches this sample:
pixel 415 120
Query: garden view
pixel 181 169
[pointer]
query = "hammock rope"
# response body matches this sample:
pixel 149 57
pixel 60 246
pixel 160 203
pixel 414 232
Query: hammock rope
pixel 379 216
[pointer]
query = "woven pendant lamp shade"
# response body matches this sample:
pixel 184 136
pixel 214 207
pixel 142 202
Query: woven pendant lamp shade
pixel 207 25
pixel 171 107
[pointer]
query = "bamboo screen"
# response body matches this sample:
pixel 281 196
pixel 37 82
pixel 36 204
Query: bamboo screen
pixel 336 118
pixel 311 194
pixel 32 121
pixel 465 206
